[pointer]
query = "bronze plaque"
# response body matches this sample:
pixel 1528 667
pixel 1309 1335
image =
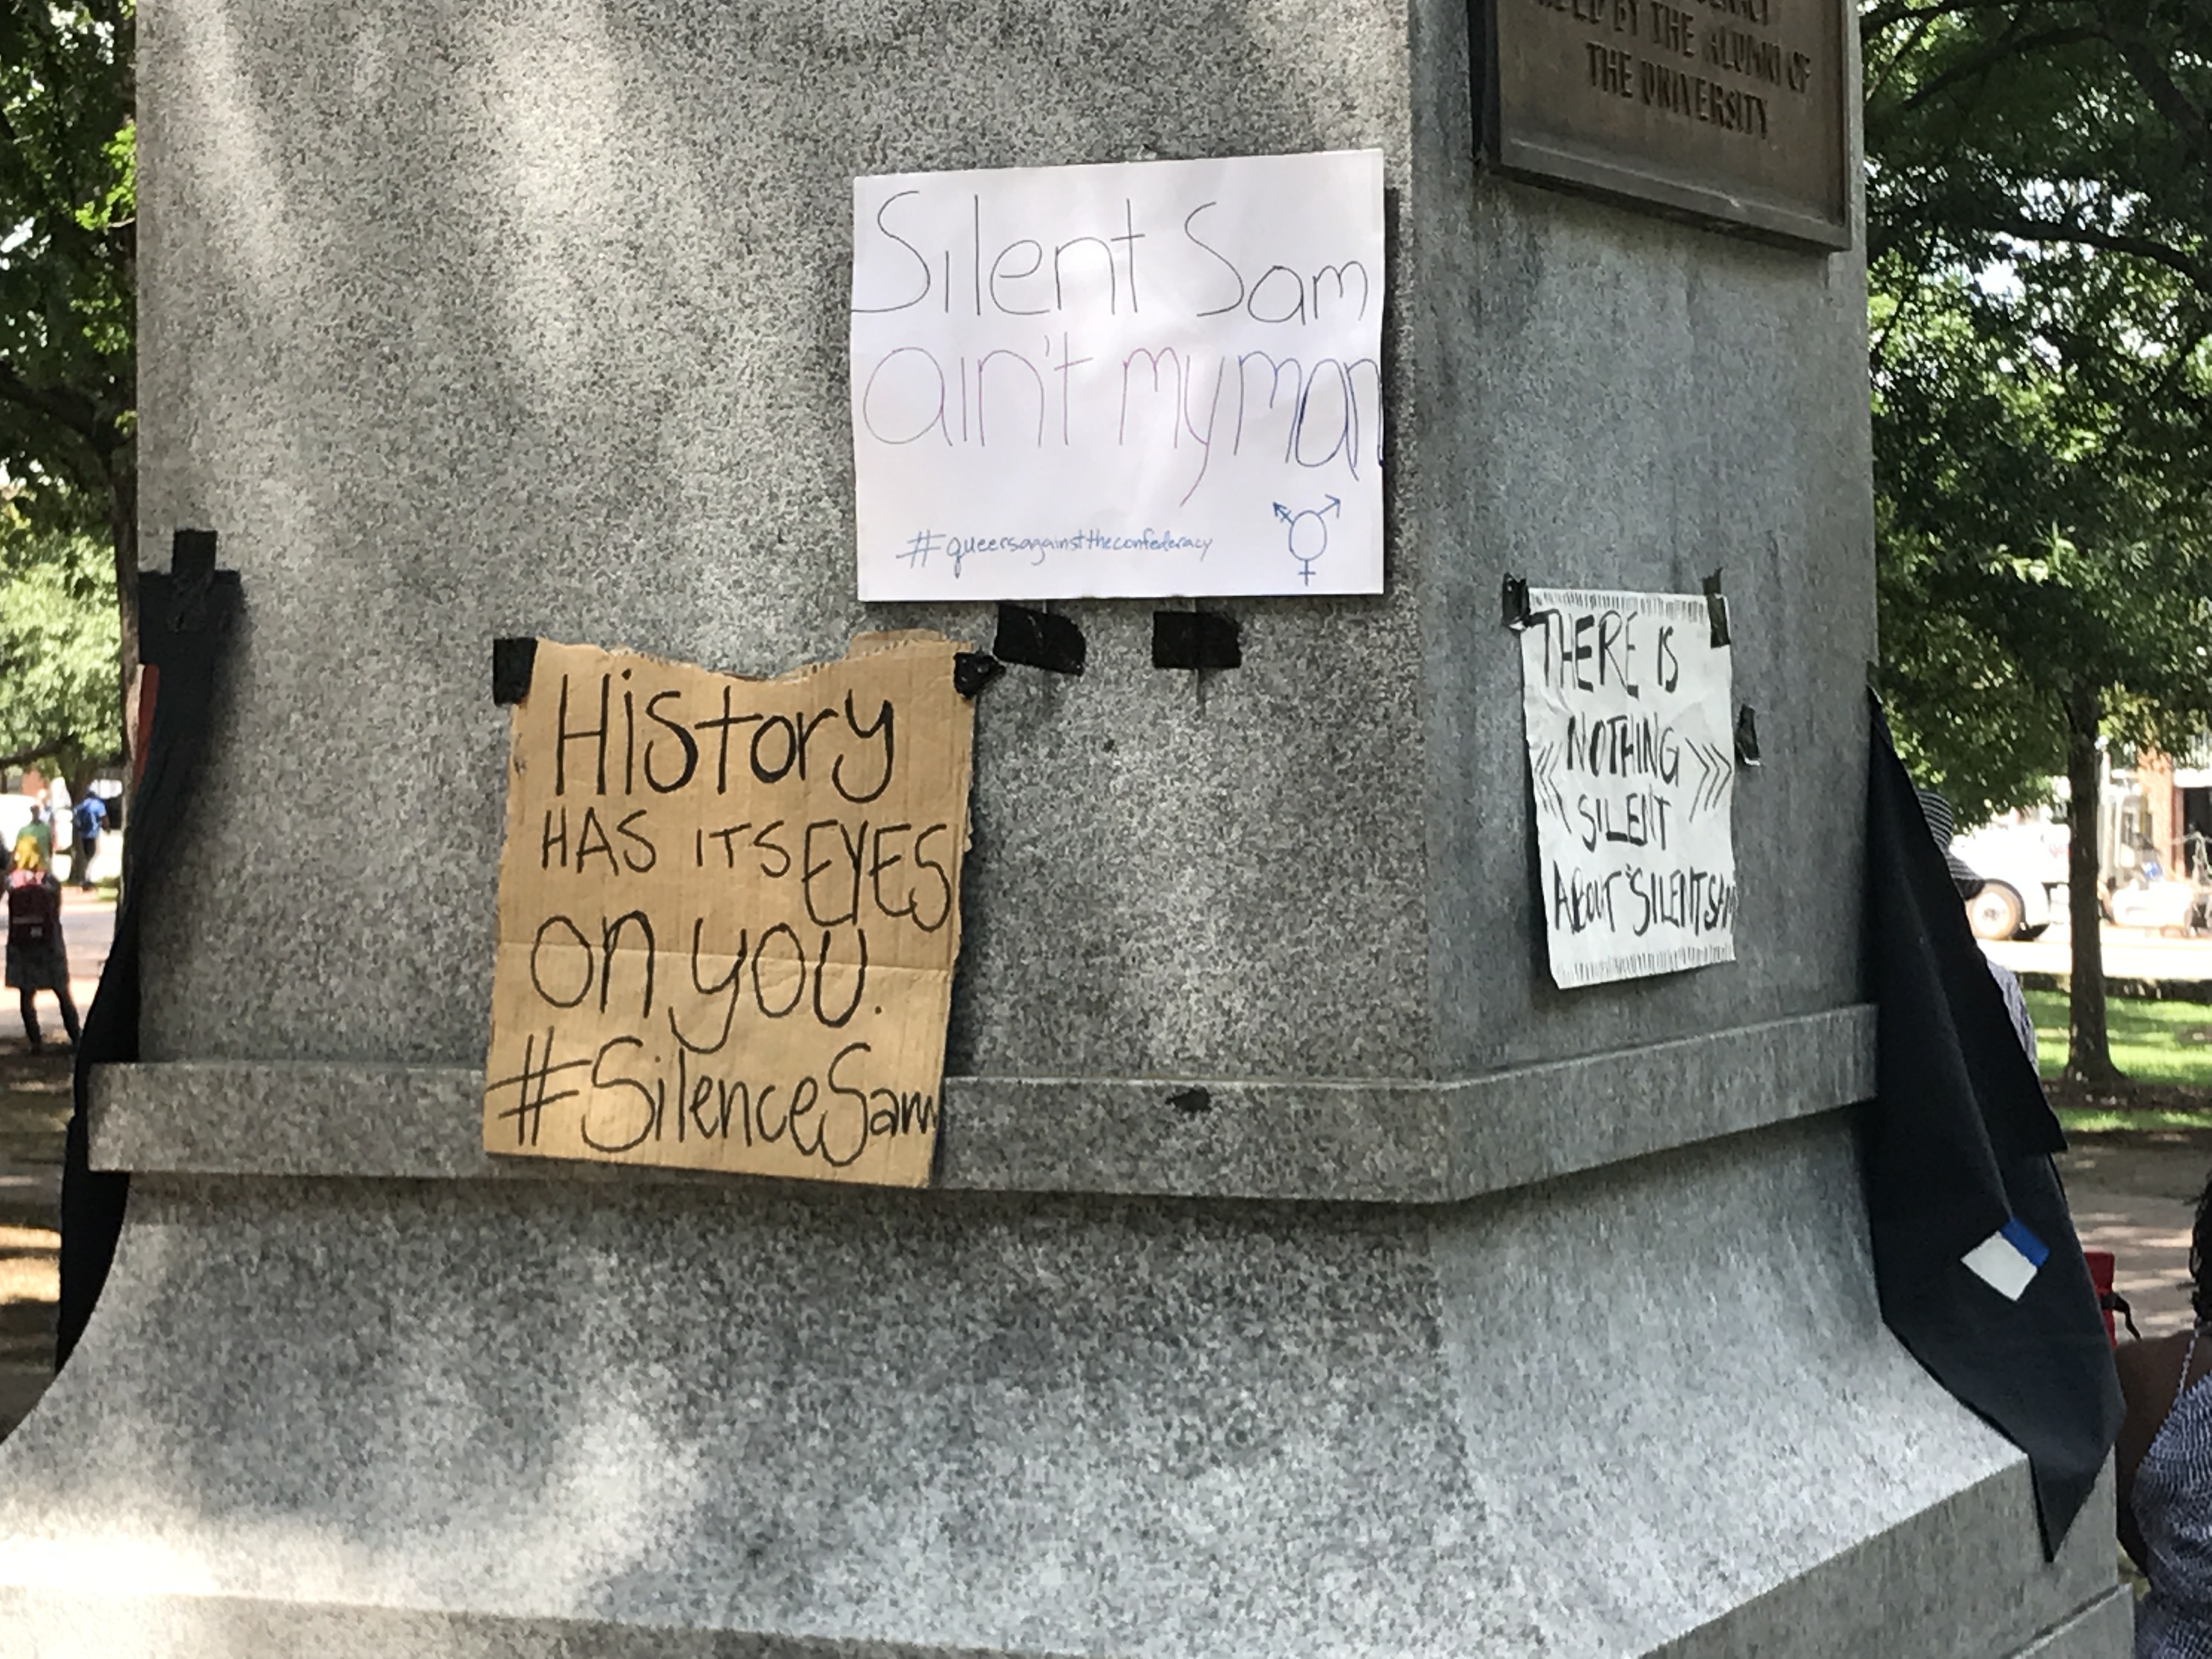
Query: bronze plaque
pixel 1730 111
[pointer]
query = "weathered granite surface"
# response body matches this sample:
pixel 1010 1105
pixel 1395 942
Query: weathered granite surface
pixel 1588 1418
pixel 1375 1142
pixel 470 321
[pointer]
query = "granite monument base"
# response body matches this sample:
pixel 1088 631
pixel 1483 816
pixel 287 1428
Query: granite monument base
pixel 1649 1409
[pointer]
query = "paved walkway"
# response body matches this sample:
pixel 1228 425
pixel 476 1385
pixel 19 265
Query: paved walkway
pixel 2134 1195
pixel 34 1109
pixel 2129 953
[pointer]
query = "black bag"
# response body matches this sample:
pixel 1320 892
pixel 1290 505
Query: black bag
pixel 33 912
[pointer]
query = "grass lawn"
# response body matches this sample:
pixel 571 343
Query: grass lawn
pixel 2164 1048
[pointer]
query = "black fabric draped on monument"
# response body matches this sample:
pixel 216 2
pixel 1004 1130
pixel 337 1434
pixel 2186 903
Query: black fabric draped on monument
pixel 184 622
pixel 1959 1142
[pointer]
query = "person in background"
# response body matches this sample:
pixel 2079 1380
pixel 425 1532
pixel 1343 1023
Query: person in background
pixel 2164 1460
pixel 37 958
pixel 59 814
pixel 91 815
pixel 1942 826
pixel 40 826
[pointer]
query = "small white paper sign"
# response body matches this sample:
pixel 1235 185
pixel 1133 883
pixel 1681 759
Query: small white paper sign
pixel 1625 702
pixel 1139 379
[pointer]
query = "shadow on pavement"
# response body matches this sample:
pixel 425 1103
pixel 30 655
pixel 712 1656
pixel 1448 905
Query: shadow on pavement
pixel 34 1109
pixel 2133 1193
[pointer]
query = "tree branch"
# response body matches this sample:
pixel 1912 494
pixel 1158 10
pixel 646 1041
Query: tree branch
pixel 2007 46
pixel 2165 92
pixel 70 409
pixel 2023 229
pixel 1878 18
pixel 1880 80
pixel 41 751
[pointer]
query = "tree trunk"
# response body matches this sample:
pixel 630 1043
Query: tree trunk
pixel 123 531
pixel 2088 1051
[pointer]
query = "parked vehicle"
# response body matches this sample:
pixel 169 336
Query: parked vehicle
pixel 14 813
pixel 2162 904
pixel 2023 872
pixel 2144 893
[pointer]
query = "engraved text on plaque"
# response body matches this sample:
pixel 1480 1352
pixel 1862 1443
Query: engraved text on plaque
pixel 1726 110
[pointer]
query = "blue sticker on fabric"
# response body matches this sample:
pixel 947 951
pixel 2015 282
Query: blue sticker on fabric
pixel 2025 1241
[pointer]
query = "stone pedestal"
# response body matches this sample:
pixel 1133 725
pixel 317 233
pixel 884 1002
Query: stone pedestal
pixel 1467 1317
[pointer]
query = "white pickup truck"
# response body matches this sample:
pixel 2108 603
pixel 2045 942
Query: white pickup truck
pixel 2023 872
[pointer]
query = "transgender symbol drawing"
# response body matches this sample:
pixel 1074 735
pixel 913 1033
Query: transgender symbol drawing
pixel 1307 532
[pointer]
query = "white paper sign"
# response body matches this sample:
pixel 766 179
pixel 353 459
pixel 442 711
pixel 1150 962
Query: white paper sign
pixel 1626 701
pixel 1137 381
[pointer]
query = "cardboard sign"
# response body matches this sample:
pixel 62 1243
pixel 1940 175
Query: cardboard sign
pixel 728 912
pixel 1135 381
pixel 1625 703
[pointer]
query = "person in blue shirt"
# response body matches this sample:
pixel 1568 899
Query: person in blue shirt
pixel 91 818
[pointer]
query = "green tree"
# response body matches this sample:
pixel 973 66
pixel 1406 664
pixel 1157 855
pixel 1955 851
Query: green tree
pixel 2040 208
pixel 68 227
pixel 58 643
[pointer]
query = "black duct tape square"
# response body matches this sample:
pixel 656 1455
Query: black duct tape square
pixel 973 670
pixel 192 578
pixel 1717 609
pixel 512 662
pixel 1196 639
pixel 1746 736
pixel 1038 639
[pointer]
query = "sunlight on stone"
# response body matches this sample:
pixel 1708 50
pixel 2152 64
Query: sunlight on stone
pixel 30 1265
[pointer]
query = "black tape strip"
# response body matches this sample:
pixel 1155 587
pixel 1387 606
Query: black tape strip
pixel 512 663
pixel 1515 604
pixel 1038 639
pixel 1196 639
pixel 185 635
pixel 973 670
pixel 191 577
pixel 1717 609
pixel 1746 736
pixel 192 556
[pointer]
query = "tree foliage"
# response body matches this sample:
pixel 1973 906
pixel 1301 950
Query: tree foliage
pixel 2040 206
pixel 2038 559
pixel 2057 126
pixel 58 638
pixel 68 278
